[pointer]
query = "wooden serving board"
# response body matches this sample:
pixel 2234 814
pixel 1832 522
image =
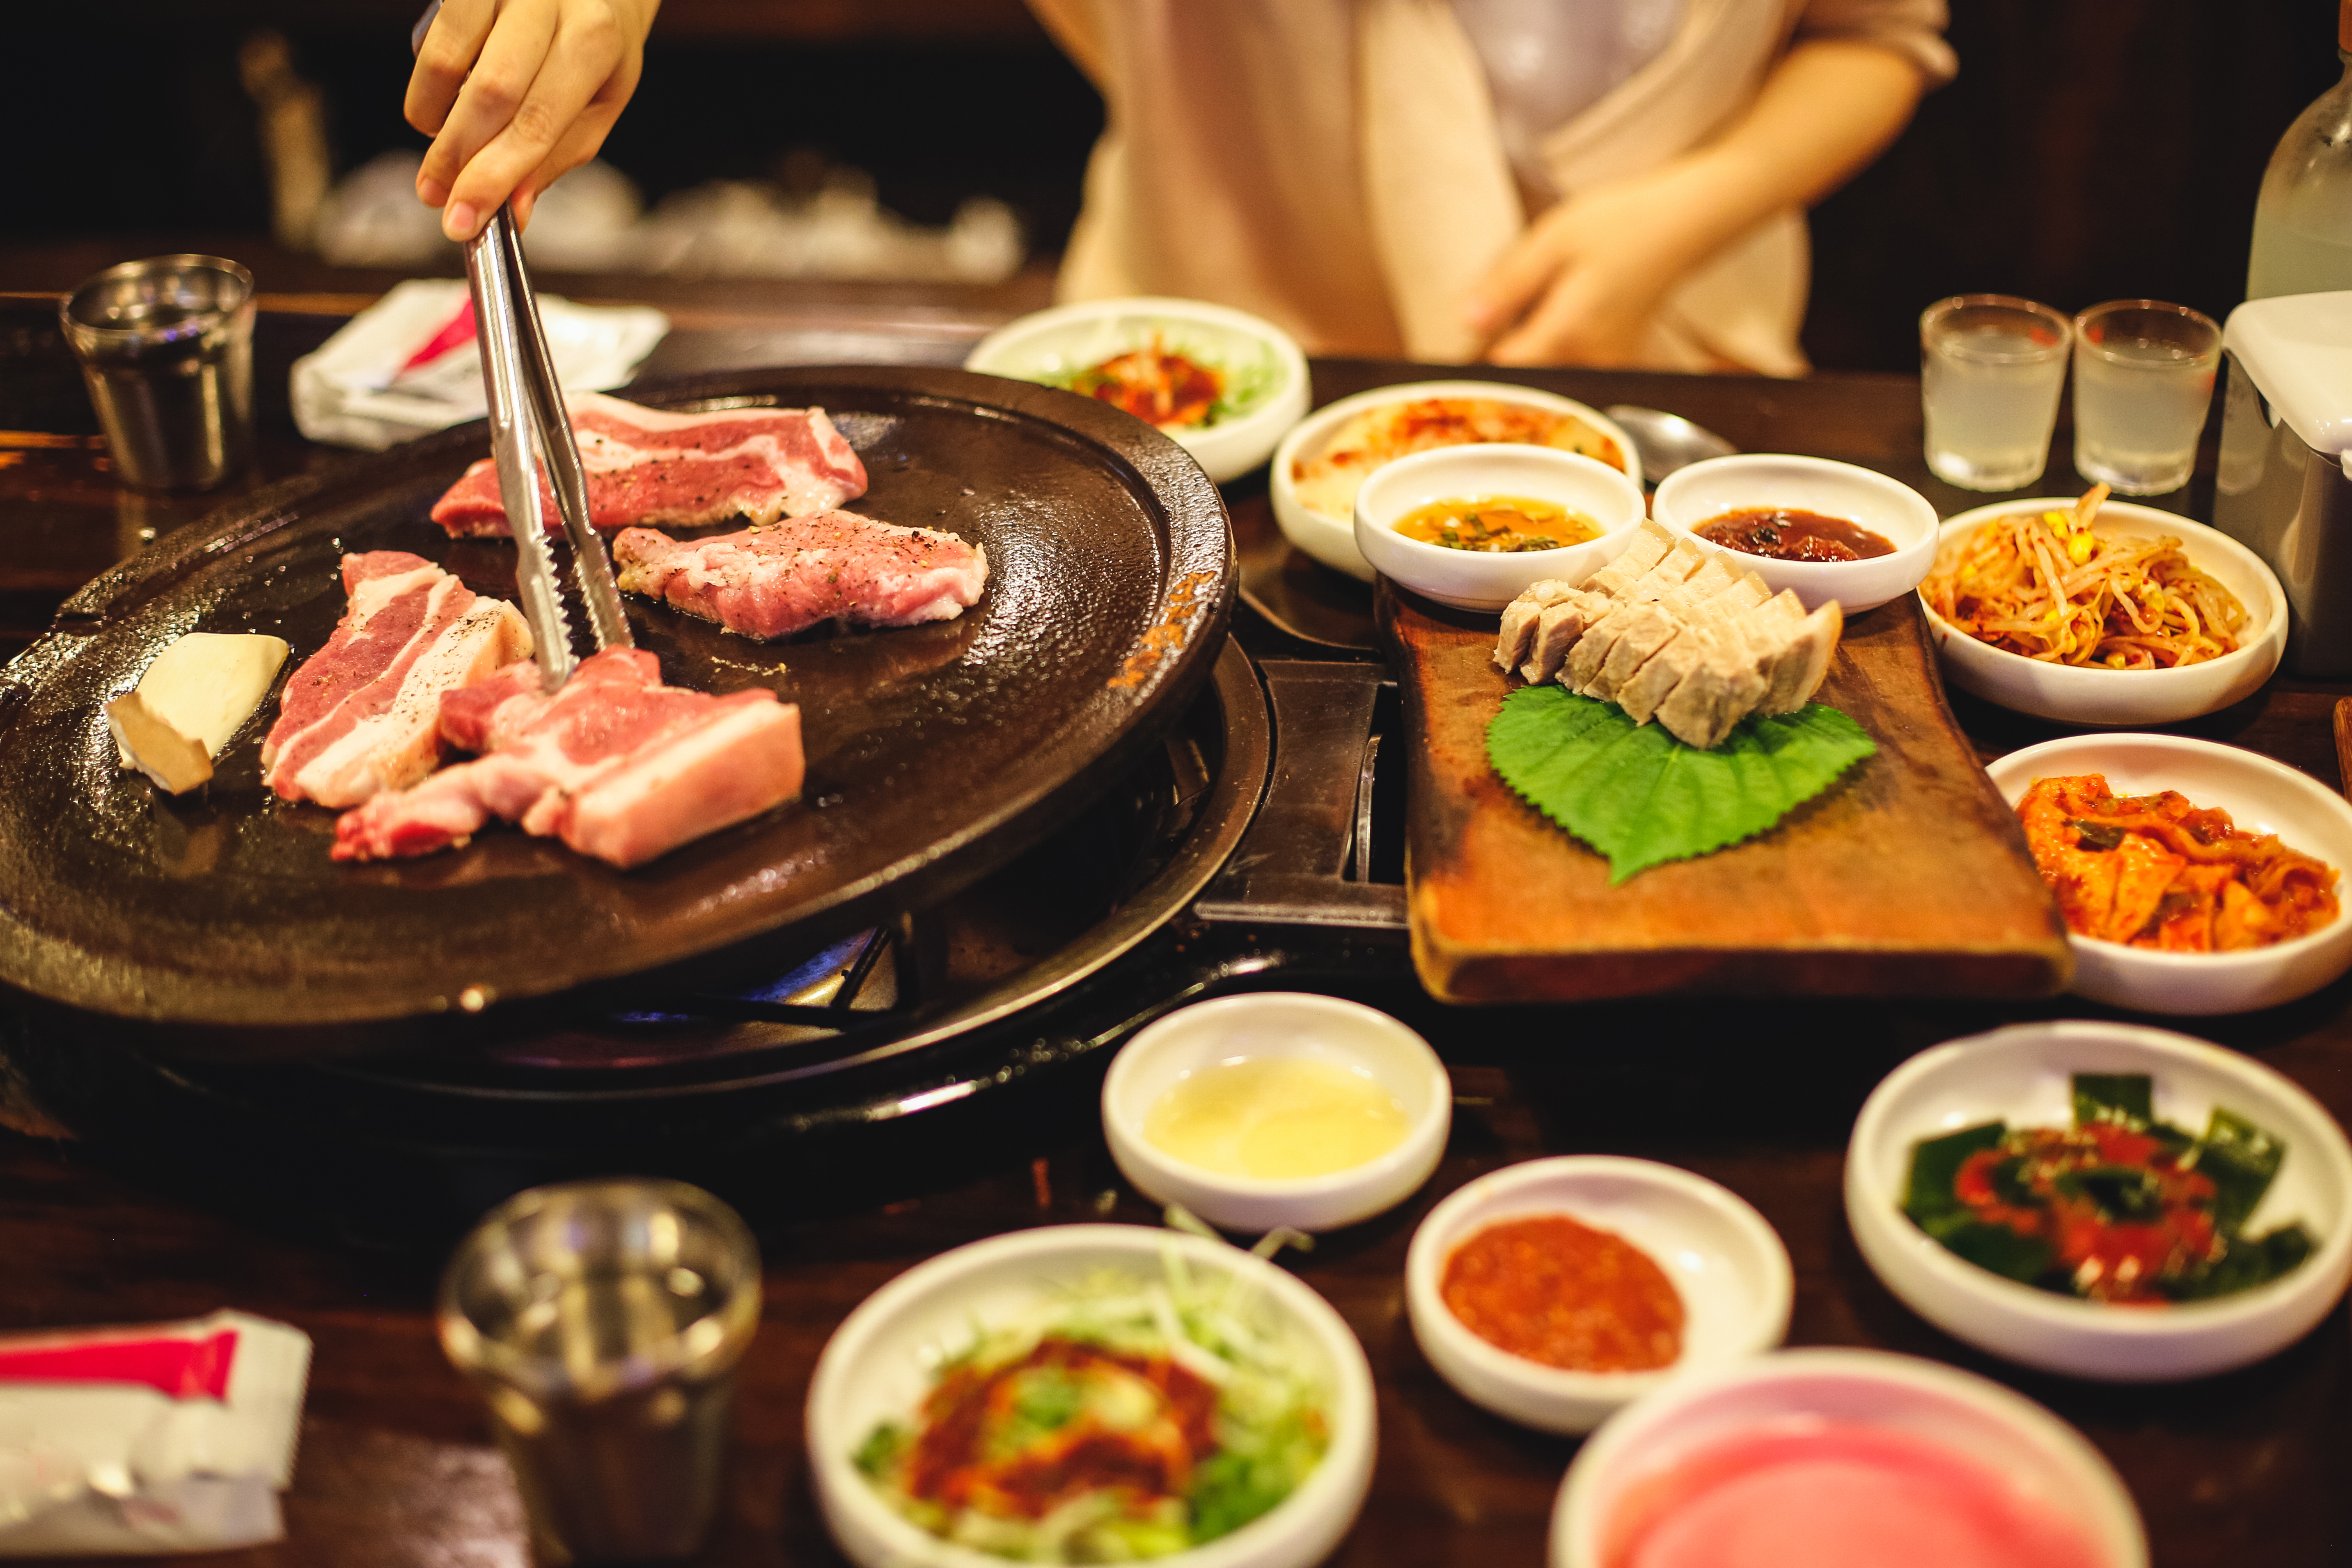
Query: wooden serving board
pixel 1908 876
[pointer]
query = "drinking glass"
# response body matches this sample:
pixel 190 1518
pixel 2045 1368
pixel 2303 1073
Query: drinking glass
pixel 1990 368
pixel 2143 378
pixel 166 350
pixel 602 1322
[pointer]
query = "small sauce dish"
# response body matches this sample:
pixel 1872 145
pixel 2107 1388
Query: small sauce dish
pixel 1689 499
pixel 2260 796
pixel 1478 580
pixel 1331 538
pixel 1724 1259
pixel 2024 1075
pixel 2021 1458
pixel 1365 1044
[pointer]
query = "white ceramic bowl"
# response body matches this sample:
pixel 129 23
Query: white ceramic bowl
pixel 2045 1460
pixel 1474 580
pixel 1724 1259
pixel 876 1367
pixel 2260 796
pixel 2020 1075
pixel 1051 345
pixel 1348 1034
pixel 1332 540
pixel 1688 498
pixel 2075 695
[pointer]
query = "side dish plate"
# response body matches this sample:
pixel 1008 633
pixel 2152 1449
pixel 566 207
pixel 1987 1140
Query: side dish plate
pixel 935 752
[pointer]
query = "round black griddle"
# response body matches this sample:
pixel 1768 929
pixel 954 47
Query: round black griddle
pixel 935 752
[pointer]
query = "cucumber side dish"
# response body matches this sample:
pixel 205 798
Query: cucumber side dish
pixel 2119 1207
pixel 1124 1418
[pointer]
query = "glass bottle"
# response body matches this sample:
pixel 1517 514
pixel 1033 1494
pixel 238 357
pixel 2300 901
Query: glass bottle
pixel 2303 219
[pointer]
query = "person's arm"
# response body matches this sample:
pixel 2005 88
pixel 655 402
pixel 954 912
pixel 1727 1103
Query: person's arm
pixel 515 93
pixel 1579 287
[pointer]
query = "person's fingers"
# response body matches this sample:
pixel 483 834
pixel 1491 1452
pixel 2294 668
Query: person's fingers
pixel 1515 281
pixel 1569 326
pixel 589 74
pixel 448 52
pixel 575 147
pixel 513 60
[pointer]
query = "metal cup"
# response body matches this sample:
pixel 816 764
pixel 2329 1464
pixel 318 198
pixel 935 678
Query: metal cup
pixel 603 1322
pixel 166 350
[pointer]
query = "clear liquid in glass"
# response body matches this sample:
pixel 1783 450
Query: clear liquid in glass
pixel 1990 408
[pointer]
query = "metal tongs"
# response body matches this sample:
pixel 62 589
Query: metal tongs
pixel 531 432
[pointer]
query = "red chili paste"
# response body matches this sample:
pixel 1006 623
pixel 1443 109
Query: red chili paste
pixel 960 1458
pixel 1159 387
pixel 1558 1292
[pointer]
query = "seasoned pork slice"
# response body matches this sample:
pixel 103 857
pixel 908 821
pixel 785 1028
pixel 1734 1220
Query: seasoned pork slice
pixel 1721 688
pixel 772 582
pixel 1651 543
pixel 1519 617
pixel 1804 659
pixel 648 465
pixel 1717 576
pixel 1649 630
pixel 1557 630
pixel 362 714
pixel 616 765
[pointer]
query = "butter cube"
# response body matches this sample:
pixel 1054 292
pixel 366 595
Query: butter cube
pixel 200 689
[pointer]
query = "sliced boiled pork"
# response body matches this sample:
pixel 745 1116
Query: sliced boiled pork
pixel 616 765
pixel 773 580
pixel 648 465
pixel 364 713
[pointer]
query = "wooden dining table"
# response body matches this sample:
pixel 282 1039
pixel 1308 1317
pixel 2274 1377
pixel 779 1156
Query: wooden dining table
pixel 395 1467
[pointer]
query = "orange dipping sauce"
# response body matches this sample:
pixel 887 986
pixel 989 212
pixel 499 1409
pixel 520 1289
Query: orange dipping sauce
pixel 1555 1290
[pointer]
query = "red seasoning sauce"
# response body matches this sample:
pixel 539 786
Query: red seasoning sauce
pixel 1785 535
pixel 1558 1292
pixel 1155 385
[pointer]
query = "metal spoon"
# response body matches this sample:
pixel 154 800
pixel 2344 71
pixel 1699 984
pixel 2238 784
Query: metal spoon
pixel 1666 441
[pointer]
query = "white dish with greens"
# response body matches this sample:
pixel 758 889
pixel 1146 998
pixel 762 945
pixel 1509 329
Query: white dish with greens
pixel 1223 384
pixel 1089 1394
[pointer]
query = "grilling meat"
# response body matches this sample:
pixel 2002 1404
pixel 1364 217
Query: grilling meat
pixel 773 580
pixel 362 714
pixel 647 465
pixel 616 765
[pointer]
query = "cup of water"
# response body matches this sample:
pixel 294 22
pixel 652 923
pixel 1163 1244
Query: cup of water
pixel 2143 380
pixel 1990 369
pixel 602 1322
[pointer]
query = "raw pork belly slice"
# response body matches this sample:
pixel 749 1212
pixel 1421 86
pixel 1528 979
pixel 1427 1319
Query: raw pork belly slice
pixel 1670 632
pixel 364 713
pixel 647 465
pixel 616 765
pixel 774 581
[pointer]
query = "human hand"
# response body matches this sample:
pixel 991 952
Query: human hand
pixel 1580 285
pixel 515 93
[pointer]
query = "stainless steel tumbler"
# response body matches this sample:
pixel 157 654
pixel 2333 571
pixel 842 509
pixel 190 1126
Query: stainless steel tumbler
pixel 603 1322
pixel 166 349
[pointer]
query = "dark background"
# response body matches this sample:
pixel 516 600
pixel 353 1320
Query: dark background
pixel 2090 149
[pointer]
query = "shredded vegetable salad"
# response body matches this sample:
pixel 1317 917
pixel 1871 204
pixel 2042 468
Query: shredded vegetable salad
pixel 2048 586
pixel 1122 1418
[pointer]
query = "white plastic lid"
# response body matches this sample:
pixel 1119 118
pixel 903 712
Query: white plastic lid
pixel 2297 348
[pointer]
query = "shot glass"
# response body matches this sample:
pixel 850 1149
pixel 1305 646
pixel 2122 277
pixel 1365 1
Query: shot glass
pixel 1990 369
pixel 602 1322
pixel 2143 379
pixel 166 350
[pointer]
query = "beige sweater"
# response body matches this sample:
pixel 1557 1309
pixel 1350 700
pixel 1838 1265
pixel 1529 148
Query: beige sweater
pixel 1333 165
